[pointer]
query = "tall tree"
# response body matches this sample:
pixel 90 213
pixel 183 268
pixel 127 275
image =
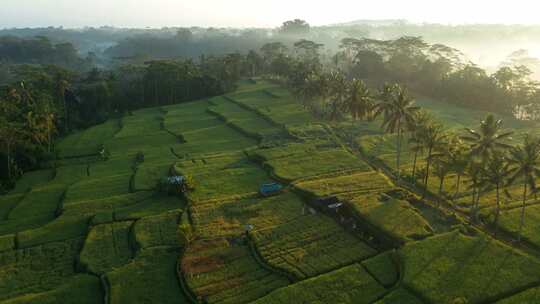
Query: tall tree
pixel 433 138
pixel 495 175
pixel 398 111
pixel 525 163
pixel 359 100
pixel 488 139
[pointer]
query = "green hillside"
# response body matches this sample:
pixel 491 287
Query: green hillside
pixel 98 227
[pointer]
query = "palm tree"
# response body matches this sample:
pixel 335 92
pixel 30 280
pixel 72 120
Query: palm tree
pixel 11 134
pixel 495 175
pixel 487 139
pixel 338 90
pixel 398 111
pixel 359 101
pixel 417 128
pixel 484 143
pixel 525 163
pixel 458 158
pixel 474 171
pixel 433 138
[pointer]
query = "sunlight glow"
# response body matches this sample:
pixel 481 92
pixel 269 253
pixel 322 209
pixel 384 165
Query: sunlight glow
pixel 255 13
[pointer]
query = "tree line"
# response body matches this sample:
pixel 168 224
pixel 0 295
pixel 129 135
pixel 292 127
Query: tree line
pixel 483 155
pixel 43 102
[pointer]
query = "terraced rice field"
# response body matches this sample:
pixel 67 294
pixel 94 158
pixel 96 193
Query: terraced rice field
pixel 310 245
pixel 351 284
pixel 221 271
pixel 95 229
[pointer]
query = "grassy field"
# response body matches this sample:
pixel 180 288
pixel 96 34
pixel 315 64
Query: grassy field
pixel 221 272
pixel 510 222
pixel 351 284
pixel 309 246
pixel 106 247
pixel 89 228
pixel 395 217
pixel 229 217
pixel 353 183
pixel 222 176
pixel 453 267
pixel 80 289
pixel 148 278
pixel 307 161
pixel 529 296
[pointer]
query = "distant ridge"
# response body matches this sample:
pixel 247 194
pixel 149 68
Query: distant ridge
pixel 373 22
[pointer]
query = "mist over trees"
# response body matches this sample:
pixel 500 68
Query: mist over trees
pixel 54 81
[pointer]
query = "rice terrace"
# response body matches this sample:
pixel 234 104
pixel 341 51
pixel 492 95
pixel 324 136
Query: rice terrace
pixel 369 162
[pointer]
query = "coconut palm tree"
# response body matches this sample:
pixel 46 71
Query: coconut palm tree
pixel 398 111
pixel 433 139
pixel 495 175
pixel 338 90
pixel 359 101
pixel 474 171
pixel 487 139
pixel 417 128
pixel 458 158
pixel 525 163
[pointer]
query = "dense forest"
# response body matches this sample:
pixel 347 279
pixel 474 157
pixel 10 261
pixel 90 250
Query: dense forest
pixel 50 88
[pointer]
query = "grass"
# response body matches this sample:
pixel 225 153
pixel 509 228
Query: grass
pixel 142 122
pixel 80 289
pixel 510 222
pixel 400 296
pixel 7 203
pixel 229 217
pixel 106 247
pixel 159 230
pixel 42 201
pixel 351 284
pixel 395 217
pixel 280 109
pixel 37 269
pixel 7 242
pixel 247 121
pixel 150 206
pixel 356 182
pixel 452 268
pixel 221 272
pixel 148 278
pixel 314 163
pixel 383 268
pixel 529 296
pixel 98 188
pixel 62 228
pixel 88 142
pixel 222 177
pixel 32 179
pixel 309 246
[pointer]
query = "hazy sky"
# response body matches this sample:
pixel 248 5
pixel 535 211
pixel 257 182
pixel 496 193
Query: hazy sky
pixel 256 13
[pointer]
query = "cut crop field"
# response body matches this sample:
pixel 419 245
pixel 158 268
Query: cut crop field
pixel 220 271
